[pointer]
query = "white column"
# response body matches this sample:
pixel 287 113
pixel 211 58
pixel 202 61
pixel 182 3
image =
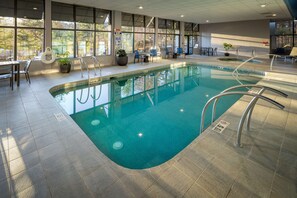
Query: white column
pixel 182 34
pixel 48 24
pixel 156 31
pixel 117 23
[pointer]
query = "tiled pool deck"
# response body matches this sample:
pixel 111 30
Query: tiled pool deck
pixel 44 157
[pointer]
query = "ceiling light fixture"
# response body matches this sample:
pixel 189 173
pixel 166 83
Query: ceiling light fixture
pixel 207 21
pixel 273 15
pixel 140 7
pixel 34 8
pixel 182 16
pixel 263 5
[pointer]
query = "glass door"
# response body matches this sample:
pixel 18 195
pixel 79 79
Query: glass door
pixel 188 45
pixel 185 47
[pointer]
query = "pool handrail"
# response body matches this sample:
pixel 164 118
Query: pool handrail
pixel 249 59
pixel 96 62
pixel 243 86
pixel 239 131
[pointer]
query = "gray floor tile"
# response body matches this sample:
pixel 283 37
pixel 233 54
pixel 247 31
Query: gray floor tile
pixel 158 191
pixel 197 192
pixel 253 180
pixel 100 179
pixel 283 187
pixel 39 190
pixel 27 178
pixel 23 163
pixel 174 181
pixel 218 178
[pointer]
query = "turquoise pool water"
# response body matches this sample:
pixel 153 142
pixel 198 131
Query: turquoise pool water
pixel 144 120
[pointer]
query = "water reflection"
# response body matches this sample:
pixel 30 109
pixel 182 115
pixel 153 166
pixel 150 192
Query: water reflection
pixel 144 120
pixel 169 82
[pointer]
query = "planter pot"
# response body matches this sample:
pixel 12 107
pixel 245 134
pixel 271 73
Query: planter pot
pixel 122 61
pixel 65 68
pixel 227 54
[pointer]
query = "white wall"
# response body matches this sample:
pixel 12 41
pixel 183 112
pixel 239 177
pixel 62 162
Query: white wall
pixel 243 35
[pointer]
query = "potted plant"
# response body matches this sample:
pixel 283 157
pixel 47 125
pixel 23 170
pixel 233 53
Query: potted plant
pixel 227 47
pixel 65 63
pixel 122 58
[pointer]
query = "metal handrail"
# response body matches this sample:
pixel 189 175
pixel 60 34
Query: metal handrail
pixel 83 64
pixel 243 86
pixel 253 57
pixel 240 65
pixel 96 62
pixel 245 112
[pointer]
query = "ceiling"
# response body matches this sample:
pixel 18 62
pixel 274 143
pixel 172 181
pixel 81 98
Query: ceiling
pixel 196 11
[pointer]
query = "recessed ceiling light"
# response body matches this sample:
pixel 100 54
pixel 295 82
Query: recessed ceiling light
pixel 273 15
pixel 182 16
pixel 34 8
pixel 101 16
pixel 140 7
pixel 263 5
pixel 207 21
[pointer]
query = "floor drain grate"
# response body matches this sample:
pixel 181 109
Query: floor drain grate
pixel 221 126
pixel 60 116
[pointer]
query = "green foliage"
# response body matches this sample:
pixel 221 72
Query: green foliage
pixel 121 53
pixel 227 46
pixel 65 60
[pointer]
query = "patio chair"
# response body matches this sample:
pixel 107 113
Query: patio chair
pixel 153 53
pixel 26 70
pixel 168 53
pixel 138 56
pixel 180 52
pixel 7 76
pixel 293 55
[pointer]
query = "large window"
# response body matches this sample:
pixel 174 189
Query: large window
pixel 24 39
pixel 6 43
pixel 168 35
pixel 81 31
pixel 283 36
pixel 138 32
pixel 191 38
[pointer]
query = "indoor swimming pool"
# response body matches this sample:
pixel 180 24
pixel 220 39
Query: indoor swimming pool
pixel 144 120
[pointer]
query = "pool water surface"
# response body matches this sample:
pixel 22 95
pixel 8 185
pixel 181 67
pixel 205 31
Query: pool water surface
pixel 144 120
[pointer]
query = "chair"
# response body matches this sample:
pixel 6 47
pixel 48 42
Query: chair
pixel 180 52
pixel 138 56
pixel 153 53
pixel 26 70
pixel 215 51
pixel 293 55
pixel 6 76
pixel 168 52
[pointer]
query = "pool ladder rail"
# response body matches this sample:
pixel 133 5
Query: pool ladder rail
pixel 248 110
pixel 85 66
pixel 235 73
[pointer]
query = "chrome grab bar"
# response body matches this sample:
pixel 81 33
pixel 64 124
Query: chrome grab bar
pixel 84 65
pixel 251 58
pixel 245 112
pixel 96 62
pixel 243 86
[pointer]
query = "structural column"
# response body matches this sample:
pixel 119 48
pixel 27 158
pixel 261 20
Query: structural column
pixel 182 34
pixel 117 23
pixel 48 24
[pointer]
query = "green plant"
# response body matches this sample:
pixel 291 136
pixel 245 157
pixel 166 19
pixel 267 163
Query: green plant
pixel 121 53
pixel 227 46
pixel 64 60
